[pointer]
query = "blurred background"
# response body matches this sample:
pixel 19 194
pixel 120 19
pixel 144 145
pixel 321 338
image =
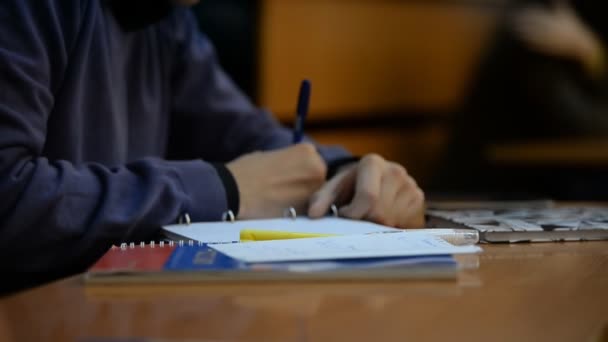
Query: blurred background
pixel 479 99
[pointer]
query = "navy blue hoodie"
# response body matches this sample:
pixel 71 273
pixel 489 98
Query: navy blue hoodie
pixel 107 133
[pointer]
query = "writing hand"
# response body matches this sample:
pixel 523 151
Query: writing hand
pixel 270 182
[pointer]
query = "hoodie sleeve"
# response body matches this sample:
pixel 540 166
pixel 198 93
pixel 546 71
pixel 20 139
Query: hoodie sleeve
pixel 57 217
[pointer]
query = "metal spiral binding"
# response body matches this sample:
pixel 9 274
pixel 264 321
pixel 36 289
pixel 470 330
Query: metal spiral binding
pixel 334 210
pixel 228 216
pixel 157 244
pixel 290 213
pixel 184 219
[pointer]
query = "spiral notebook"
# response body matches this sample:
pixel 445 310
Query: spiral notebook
pixel 213 253
pixel 187 262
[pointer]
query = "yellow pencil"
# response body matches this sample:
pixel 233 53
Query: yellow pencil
pixel 248 235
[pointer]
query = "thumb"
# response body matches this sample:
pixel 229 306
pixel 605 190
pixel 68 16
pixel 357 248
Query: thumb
pixel 330 192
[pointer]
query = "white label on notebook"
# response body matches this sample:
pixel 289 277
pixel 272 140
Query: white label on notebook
pixel 343 247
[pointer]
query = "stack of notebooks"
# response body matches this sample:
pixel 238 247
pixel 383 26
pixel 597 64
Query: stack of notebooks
pixel 211 252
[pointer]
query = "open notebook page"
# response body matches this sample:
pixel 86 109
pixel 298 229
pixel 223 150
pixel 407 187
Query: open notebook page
pixel 222 232
pixel 398 244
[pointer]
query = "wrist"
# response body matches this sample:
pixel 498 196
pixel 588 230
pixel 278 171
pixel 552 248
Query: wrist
pixel 230 186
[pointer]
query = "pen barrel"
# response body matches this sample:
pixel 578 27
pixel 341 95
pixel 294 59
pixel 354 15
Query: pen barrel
pixel 298 130
pixel 301 111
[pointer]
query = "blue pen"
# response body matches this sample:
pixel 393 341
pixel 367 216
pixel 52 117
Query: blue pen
pixel 301 111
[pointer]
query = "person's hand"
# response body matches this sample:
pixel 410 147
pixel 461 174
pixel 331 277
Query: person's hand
pixel 373 189
pixel 270 182
pixel 558 32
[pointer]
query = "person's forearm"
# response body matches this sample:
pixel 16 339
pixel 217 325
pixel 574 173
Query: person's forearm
pixel 58 216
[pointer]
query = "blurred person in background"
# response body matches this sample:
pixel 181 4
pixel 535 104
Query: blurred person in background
pixel 545 77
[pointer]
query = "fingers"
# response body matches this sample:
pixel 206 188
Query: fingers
pixel 410 201
pixel 384 210
pixel 403 203
pixel 332 192
pixel 367 188
pixel 310 161
pixel 386 194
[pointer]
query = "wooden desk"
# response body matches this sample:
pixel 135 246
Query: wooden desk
pixel 551 292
